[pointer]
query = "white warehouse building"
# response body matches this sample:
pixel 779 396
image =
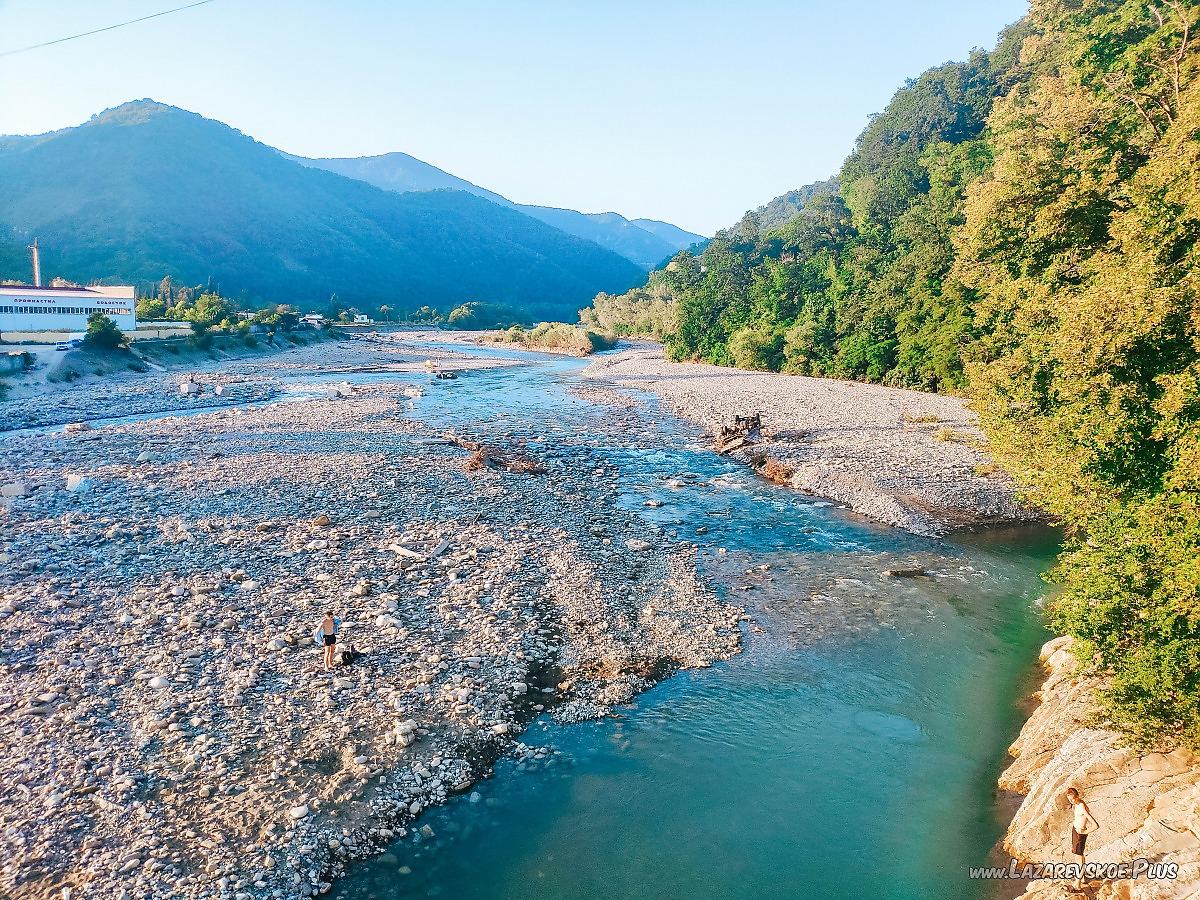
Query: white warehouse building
pixel 36 308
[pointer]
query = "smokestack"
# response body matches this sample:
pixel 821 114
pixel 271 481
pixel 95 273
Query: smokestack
pixel 37 264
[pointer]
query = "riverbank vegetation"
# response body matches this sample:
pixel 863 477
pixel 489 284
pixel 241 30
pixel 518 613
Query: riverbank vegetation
pixel 555 337
pixel 648 311
pixel 1021 227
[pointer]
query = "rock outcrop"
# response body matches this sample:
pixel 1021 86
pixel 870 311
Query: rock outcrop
pixel 1147 803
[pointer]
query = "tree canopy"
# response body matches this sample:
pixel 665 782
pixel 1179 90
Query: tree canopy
pixel 1022 227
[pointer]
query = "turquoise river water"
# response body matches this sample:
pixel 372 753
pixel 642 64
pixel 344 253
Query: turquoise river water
pixel 858 765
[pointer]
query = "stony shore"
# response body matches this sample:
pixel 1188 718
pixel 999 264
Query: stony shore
pixel 168 729
pixel 903 458
pixel 222 383
pixel 1147 804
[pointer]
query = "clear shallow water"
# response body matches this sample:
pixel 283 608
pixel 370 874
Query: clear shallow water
pixel 857 764
pixel 859 769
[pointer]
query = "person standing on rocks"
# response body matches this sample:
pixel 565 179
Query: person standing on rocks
pixel 1083 823
pixel 326 634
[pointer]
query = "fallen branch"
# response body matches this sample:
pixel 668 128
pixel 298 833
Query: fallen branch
pixel 483 456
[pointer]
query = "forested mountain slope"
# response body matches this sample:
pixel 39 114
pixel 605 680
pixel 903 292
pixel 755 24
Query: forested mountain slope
pixel 1022 227
pixel 645 242
pixel 147 190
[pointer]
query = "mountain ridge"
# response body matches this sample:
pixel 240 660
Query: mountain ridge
pixel 145 189
pixel 403 173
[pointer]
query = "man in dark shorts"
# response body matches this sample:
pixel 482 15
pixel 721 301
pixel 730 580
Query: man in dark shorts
pixel 1083 823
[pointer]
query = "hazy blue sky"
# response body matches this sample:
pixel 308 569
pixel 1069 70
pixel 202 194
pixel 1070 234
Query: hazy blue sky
pixel 685 111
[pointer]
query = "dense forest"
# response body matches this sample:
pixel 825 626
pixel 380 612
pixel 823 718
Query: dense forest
pixel 1021 228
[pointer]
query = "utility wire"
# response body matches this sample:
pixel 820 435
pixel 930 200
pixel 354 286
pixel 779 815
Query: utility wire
pixel 165 12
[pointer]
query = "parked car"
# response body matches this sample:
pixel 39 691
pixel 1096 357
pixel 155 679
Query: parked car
pixel 62 345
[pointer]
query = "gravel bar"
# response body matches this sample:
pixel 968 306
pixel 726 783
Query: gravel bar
pixel 168 729
pixel 903 458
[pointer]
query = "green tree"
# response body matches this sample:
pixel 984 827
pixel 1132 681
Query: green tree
pixel 211 309
pixel 103 333
pixel 151 308
pixel 1081 242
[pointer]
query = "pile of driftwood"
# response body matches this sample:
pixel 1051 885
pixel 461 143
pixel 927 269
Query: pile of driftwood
pixel 483 457
pixel 739 434
pixel 771 469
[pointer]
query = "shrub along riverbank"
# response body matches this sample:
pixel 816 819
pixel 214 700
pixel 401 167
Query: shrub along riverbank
pixel 1021 227
pixel 554 337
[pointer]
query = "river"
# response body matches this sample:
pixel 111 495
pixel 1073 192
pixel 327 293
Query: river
pixel 850 751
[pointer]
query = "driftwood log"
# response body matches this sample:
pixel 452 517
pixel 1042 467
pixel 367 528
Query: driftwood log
pixel 484 457
pixel 739 433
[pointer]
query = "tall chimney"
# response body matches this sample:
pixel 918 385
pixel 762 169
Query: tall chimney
pixel 37 264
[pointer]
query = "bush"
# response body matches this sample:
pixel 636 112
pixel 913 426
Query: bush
pixel 950 435
pixel 756 348
pixel 558 337
pixel 103 333
pixel 1131 588
pixel 201 336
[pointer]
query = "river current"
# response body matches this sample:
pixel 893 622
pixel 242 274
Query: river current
pixel 850 751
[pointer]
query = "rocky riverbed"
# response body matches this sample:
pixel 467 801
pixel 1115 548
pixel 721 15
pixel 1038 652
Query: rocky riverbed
pixel 903 458
pixel 219 382
pixel 168 728
pixel 1146 803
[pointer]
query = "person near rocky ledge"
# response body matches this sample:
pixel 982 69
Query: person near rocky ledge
pixel 1083 823
pixel 326 634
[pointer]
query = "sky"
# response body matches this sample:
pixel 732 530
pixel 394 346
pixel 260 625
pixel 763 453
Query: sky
pixel 690 112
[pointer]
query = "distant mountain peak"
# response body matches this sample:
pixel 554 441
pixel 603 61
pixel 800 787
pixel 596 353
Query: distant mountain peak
pixel 135 112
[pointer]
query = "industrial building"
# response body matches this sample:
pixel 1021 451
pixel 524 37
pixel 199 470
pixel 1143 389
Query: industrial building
pixel 63 307
pixel 29 307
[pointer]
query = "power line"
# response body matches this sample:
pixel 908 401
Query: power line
pixel 165 12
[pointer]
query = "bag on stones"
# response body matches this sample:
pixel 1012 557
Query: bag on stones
pixel 349 654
